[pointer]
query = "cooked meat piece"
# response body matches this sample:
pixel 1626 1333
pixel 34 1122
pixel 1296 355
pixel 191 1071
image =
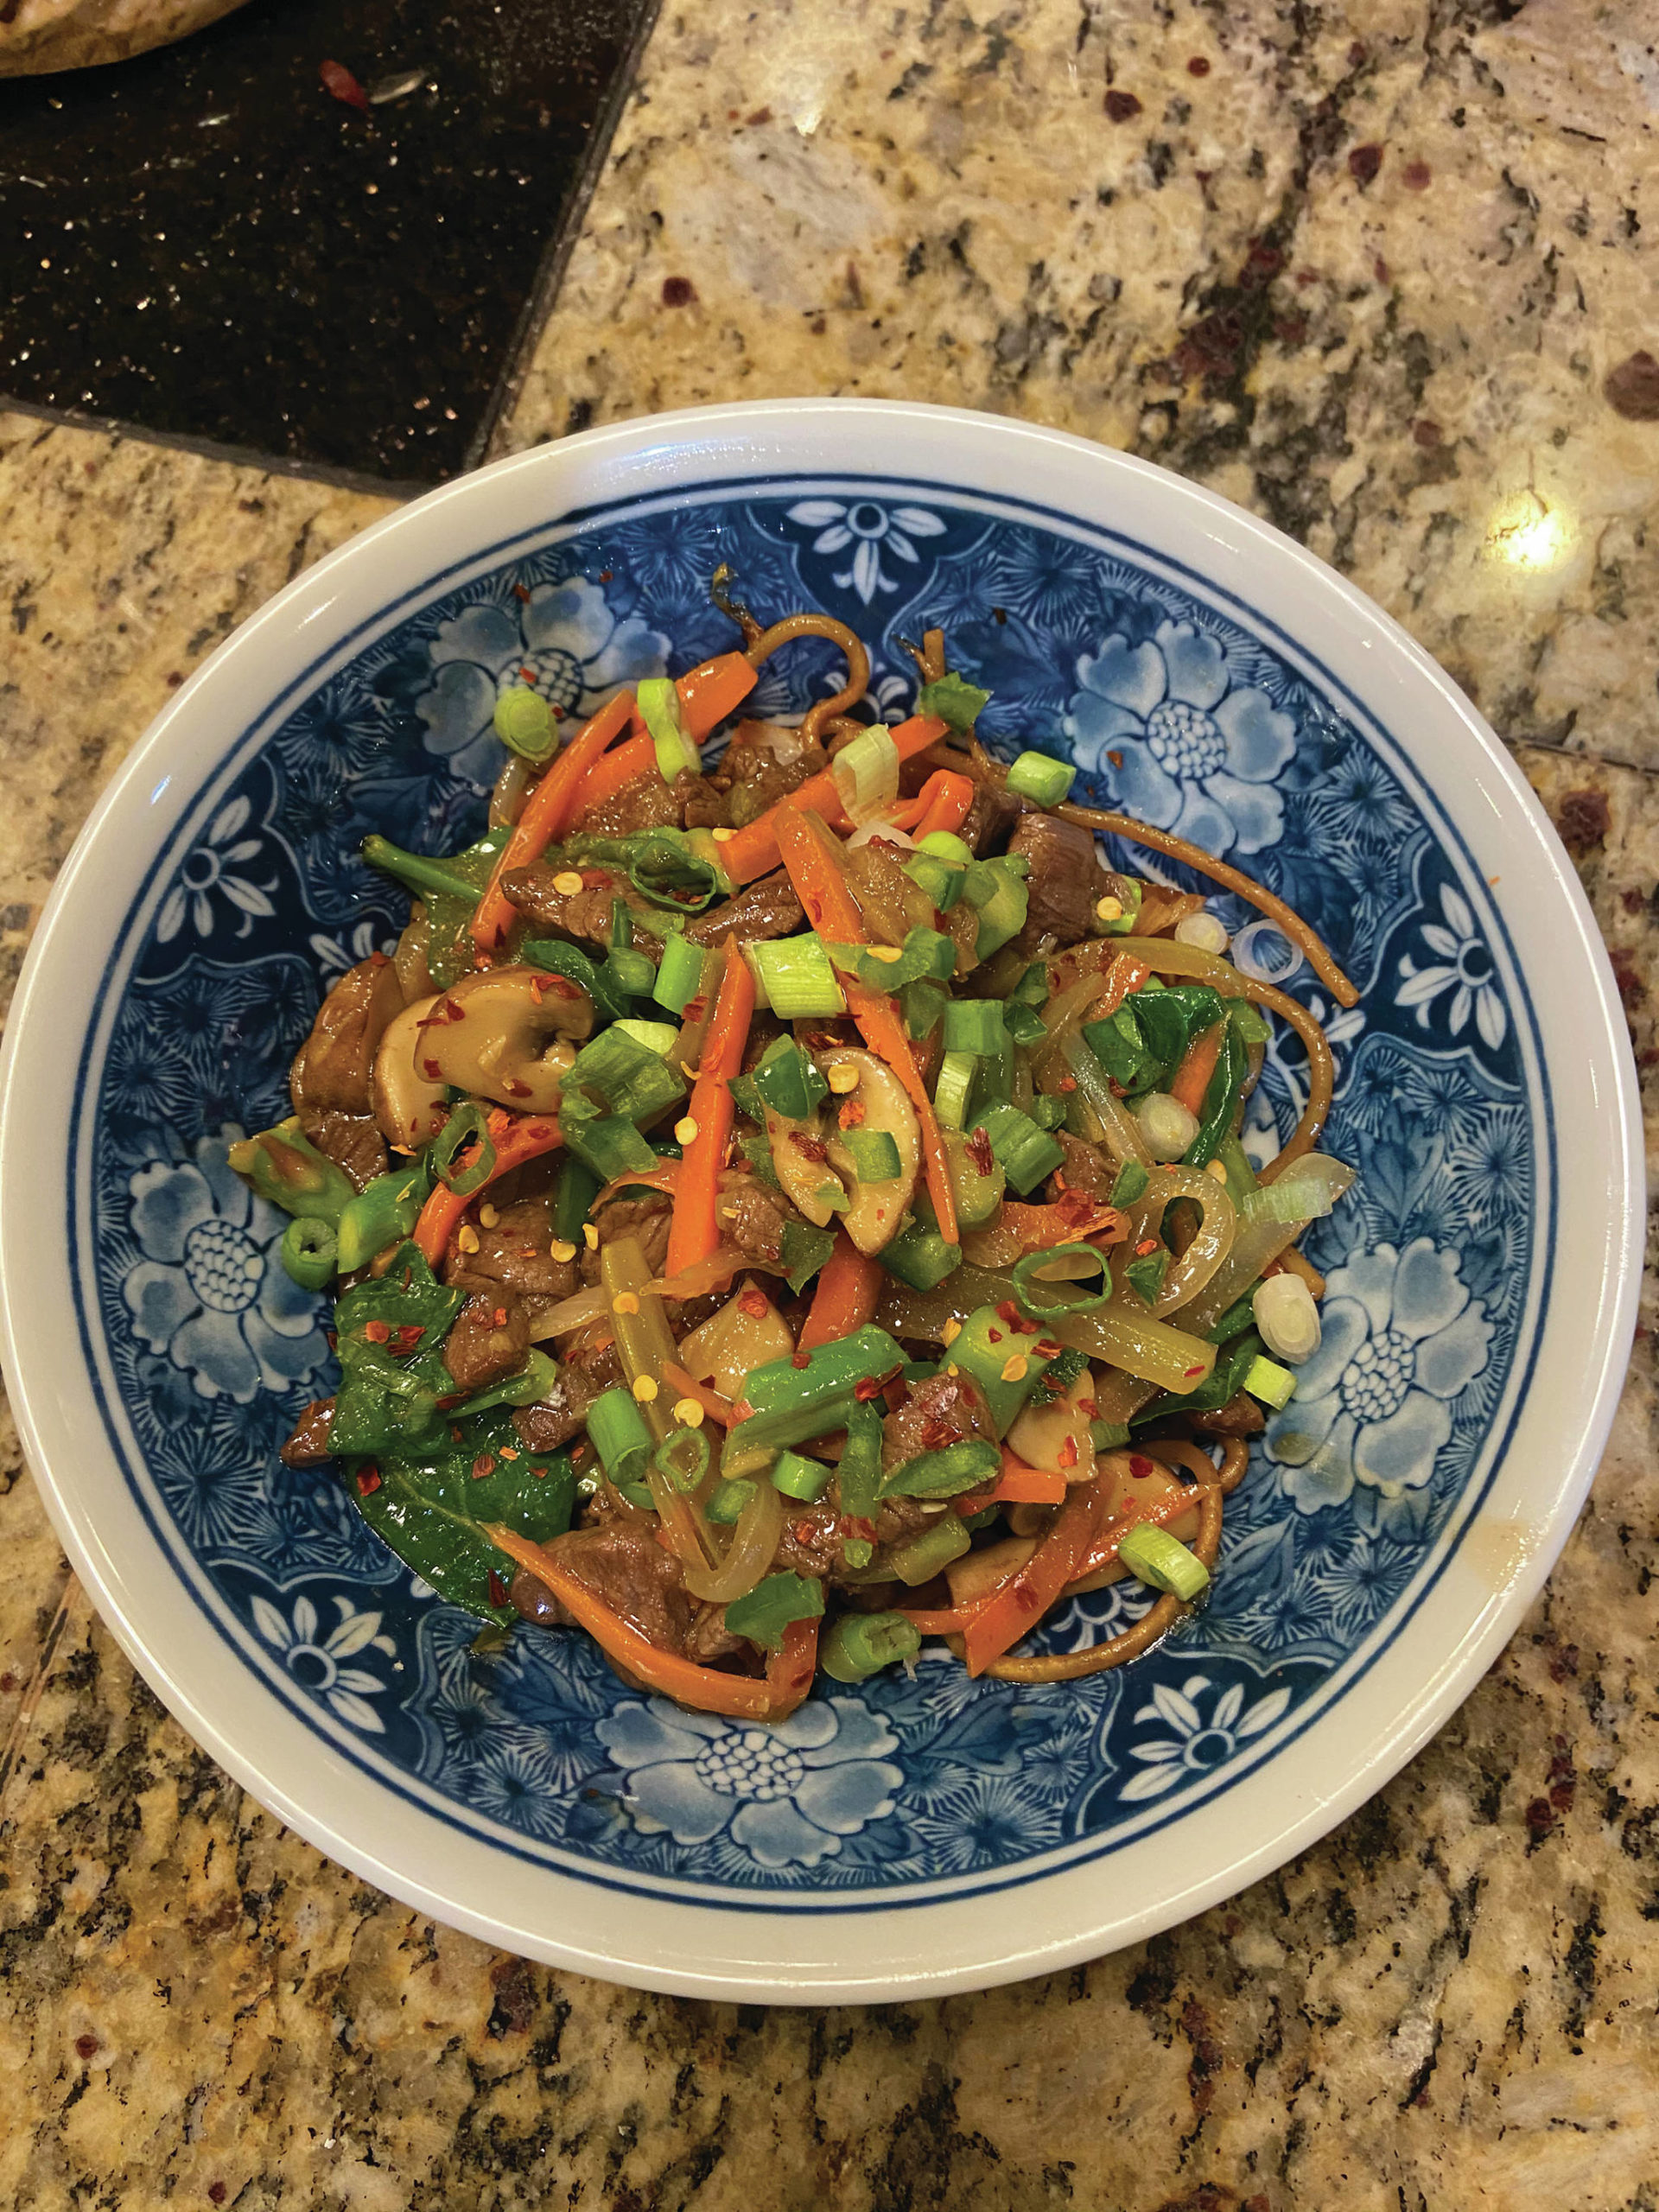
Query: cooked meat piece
pixel 646 1218
pixel 943 1410
pixel 334 1067
pixel 530 1596
pixel 353 1141
pixel 645 803
pixel 704 803
pixel 581 918
pixel 489 1339
pixel 309 1445
pixel 766 909
pixel 994 812
pixel 811 1541
pixel 754 1218
pixel 1240 1417
pixel 708 1638
pixel 1063 885
pixel 553 1420
pixel 513 1251
pixel 760 769
pixel 624 1566
pixel 1086 1169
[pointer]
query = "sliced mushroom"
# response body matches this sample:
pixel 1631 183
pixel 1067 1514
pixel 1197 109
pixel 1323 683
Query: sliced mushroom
pixel 333 1067
pixel 877 1211
pixel 800 1159
pixel 507 1034
pixel 409 1107
pixel 1054 1435
pixel 1134 1481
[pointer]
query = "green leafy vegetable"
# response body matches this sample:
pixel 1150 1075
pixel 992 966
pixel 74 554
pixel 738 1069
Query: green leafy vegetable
pixel 950 698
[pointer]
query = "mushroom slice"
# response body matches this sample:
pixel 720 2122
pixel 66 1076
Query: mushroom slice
pixel 800 1159
pixel 508 1035
pixel 878 1209
pixel 410 1108
pixel 1056 1435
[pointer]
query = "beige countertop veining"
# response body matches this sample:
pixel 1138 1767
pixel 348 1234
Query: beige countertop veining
pixel 1385 273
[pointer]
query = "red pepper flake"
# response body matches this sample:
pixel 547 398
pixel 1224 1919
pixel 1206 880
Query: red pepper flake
pixel 872 1386
pixel 1117 760
pixel 500 1317
pixel 332 1339
pixel 800 1359
pixel 518 1089
pixel 742 1410
pixel 753 1302
pixel 377 1332
pixel 409 1335
pixel 851 1115
pixel 452 1010
pixel 561 988
pixel 580 1451
pixel 1140 1468
pixel 1146 1244
pixel 368 1480
pixel 595 879
pixel 979 1151
pixel 498 1589
pixel 1068 1084
pixel 1067 1454
pixel 1192 1372
pixel 509 1453
pixel 994 1335
pixel 813 1148
pixel 527 674
pixel 431 1070
pixel 694 1009
pixel 1008 1312
pixel 454 1433
pixel 939 1435
pixel 339 84
pixel 1089 1408
pixel 521 591
pixel 851 1526
pixel 803 1531
pixel 484 1464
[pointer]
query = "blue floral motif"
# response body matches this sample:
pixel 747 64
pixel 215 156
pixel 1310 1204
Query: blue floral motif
pixel 917 1776
pixel 562 639
pixel 787 1795
pixel 1185 749
pixel 1402 1337
pixel 210 1291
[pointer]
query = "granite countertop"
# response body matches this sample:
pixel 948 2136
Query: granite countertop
pixel 1394 289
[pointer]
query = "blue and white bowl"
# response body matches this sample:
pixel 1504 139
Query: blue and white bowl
pixel 920 1833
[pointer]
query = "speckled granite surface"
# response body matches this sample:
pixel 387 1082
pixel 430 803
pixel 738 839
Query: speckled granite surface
pixel 1423 364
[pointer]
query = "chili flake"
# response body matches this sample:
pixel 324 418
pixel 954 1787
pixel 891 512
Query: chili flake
pixel 852 1115
pixel 377 1331
pixel 753 1302
pixel 979 1151
pixel 802 1359
pixel 368 1481
pixel 483 1466
pixel 498 1589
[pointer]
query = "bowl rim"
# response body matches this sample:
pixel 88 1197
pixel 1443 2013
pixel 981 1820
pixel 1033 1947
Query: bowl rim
pixel 733 1953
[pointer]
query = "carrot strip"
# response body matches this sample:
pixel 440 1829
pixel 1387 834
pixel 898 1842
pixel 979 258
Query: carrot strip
pixel 1019 1485
pixel 548 812
pixel 1192 1078
pixel 950 804
pixel 694 1233
pixel 789 1672
pixel 709 692
pixel 663 1177
pixel 1017 1604
pixel 634 757
pixel 849 1286
pixel 755 850
pixel 810 857
pixel 1125 974
pixel 713 1404
pixel 516 1138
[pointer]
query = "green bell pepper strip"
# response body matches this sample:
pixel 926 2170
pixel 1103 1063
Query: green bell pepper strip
pixel 804 1250
pixel 986 1345
pixel 831 1371
pixel 944 1474
pixel 772 1606
pixel 1041 1299
pixel 858 1477
pixel 932 1552
pixel 464 1130
pixel 284 1166
pixel 385 1211
pixel 919 1256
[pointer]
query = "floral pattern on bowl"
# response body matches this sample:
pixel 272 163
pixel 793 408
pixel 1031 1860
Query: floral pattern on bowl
pixel 1174 708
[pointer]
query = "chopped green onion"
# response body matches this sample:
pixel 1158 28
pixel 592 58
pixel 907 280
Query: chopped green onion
pixel 874 1154
pixel 633 1081
pixel 683 1456
pixel 858 1477
pixel 1118 1043
pixel 385 1211
pixel 945 845
pixel 1144 1276
pixel 861 1644
pixel 658 1037
pixel 578 1187
pixel 610 1146
pixel 1042 779
pixel 1249 1026
pixel 974 1026
pixel 947 1473
pixel 1274 1385
pixel 790 1083
pixel 285 1167
pixel 866 774
pixel 1004 1362
pixel 1028 1153
pixel 799 978
pixel 465 1126
pixel 953 700
pixel 1048 1113
pixel 926 956
pixel 1163 1562
pixel 726 1503
pixel 773 1605
pixel 932 1552
pixel 951 1091
pixel 922 1004
pixel 1023 1023
pixel 660 708
pixel 918 1255
pixel 631 971
pixel 679 974
pixel 1170 1129
pixel 1032 989
pixel 1293 1198
pixel 831 1369
pixel 617 1429
pixel 998 889
pixel 807 1479
pixel 1131 1184
pixel 942 882
pixel 525 724
pixel 310 1253
pixel 1055 1297
pixel 856 1552
pixel 1239 1315
pixel 1241 1176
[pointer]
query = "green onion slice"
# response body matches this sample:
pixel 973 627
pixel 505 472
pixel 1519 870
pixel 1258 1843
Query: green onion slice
pixel 465 1126
pixel 659 709
pixel 310 1252
pixel 865 775
pixel 1163 1562
pixel 1040 778
pixel 1055 1298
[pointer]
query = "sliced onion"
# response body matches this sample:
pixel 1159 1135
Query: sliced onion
pixel 573 1312
pixel 754 1541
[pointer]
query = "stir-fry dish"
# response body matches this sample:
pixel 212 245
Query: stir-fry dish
pixel 784 1209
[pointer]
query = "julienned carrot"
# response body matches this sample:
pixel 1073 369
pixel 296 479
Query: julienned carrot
pixel 808 854
pixel 707 1396
pixel 944 802
pixel 789 1671
pixel 1019 1485
pixel 1016 1605
pixel 636 756
pixel 694 1232
pixel 1125 974
pixel 710 691
pixel 548 812
pixel 1192 1078
pixel 516 1138
pixel 849 1290
pixel 754 851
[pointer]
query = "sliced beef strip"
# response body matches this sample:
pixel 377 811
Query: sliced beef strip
pixel 310 1446
pixel 994 813
pixel 647 802
pixel 634 1576
pixel 940 1411
pixel 703 803
pixel 490 1337
pixel 754 1218
pixel 513 1250
pixel 645 1219
pixel 334 1067
pixel 767 909
pixel 353 1141
pixel 757 775
pixel 1240 1417
pixel 553 1420
pixel 580 917
pixel 1063 883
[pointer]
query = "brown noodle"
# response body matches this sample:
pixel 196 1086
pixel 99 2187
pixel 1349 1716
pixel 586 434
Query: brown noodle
pixel 808 625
